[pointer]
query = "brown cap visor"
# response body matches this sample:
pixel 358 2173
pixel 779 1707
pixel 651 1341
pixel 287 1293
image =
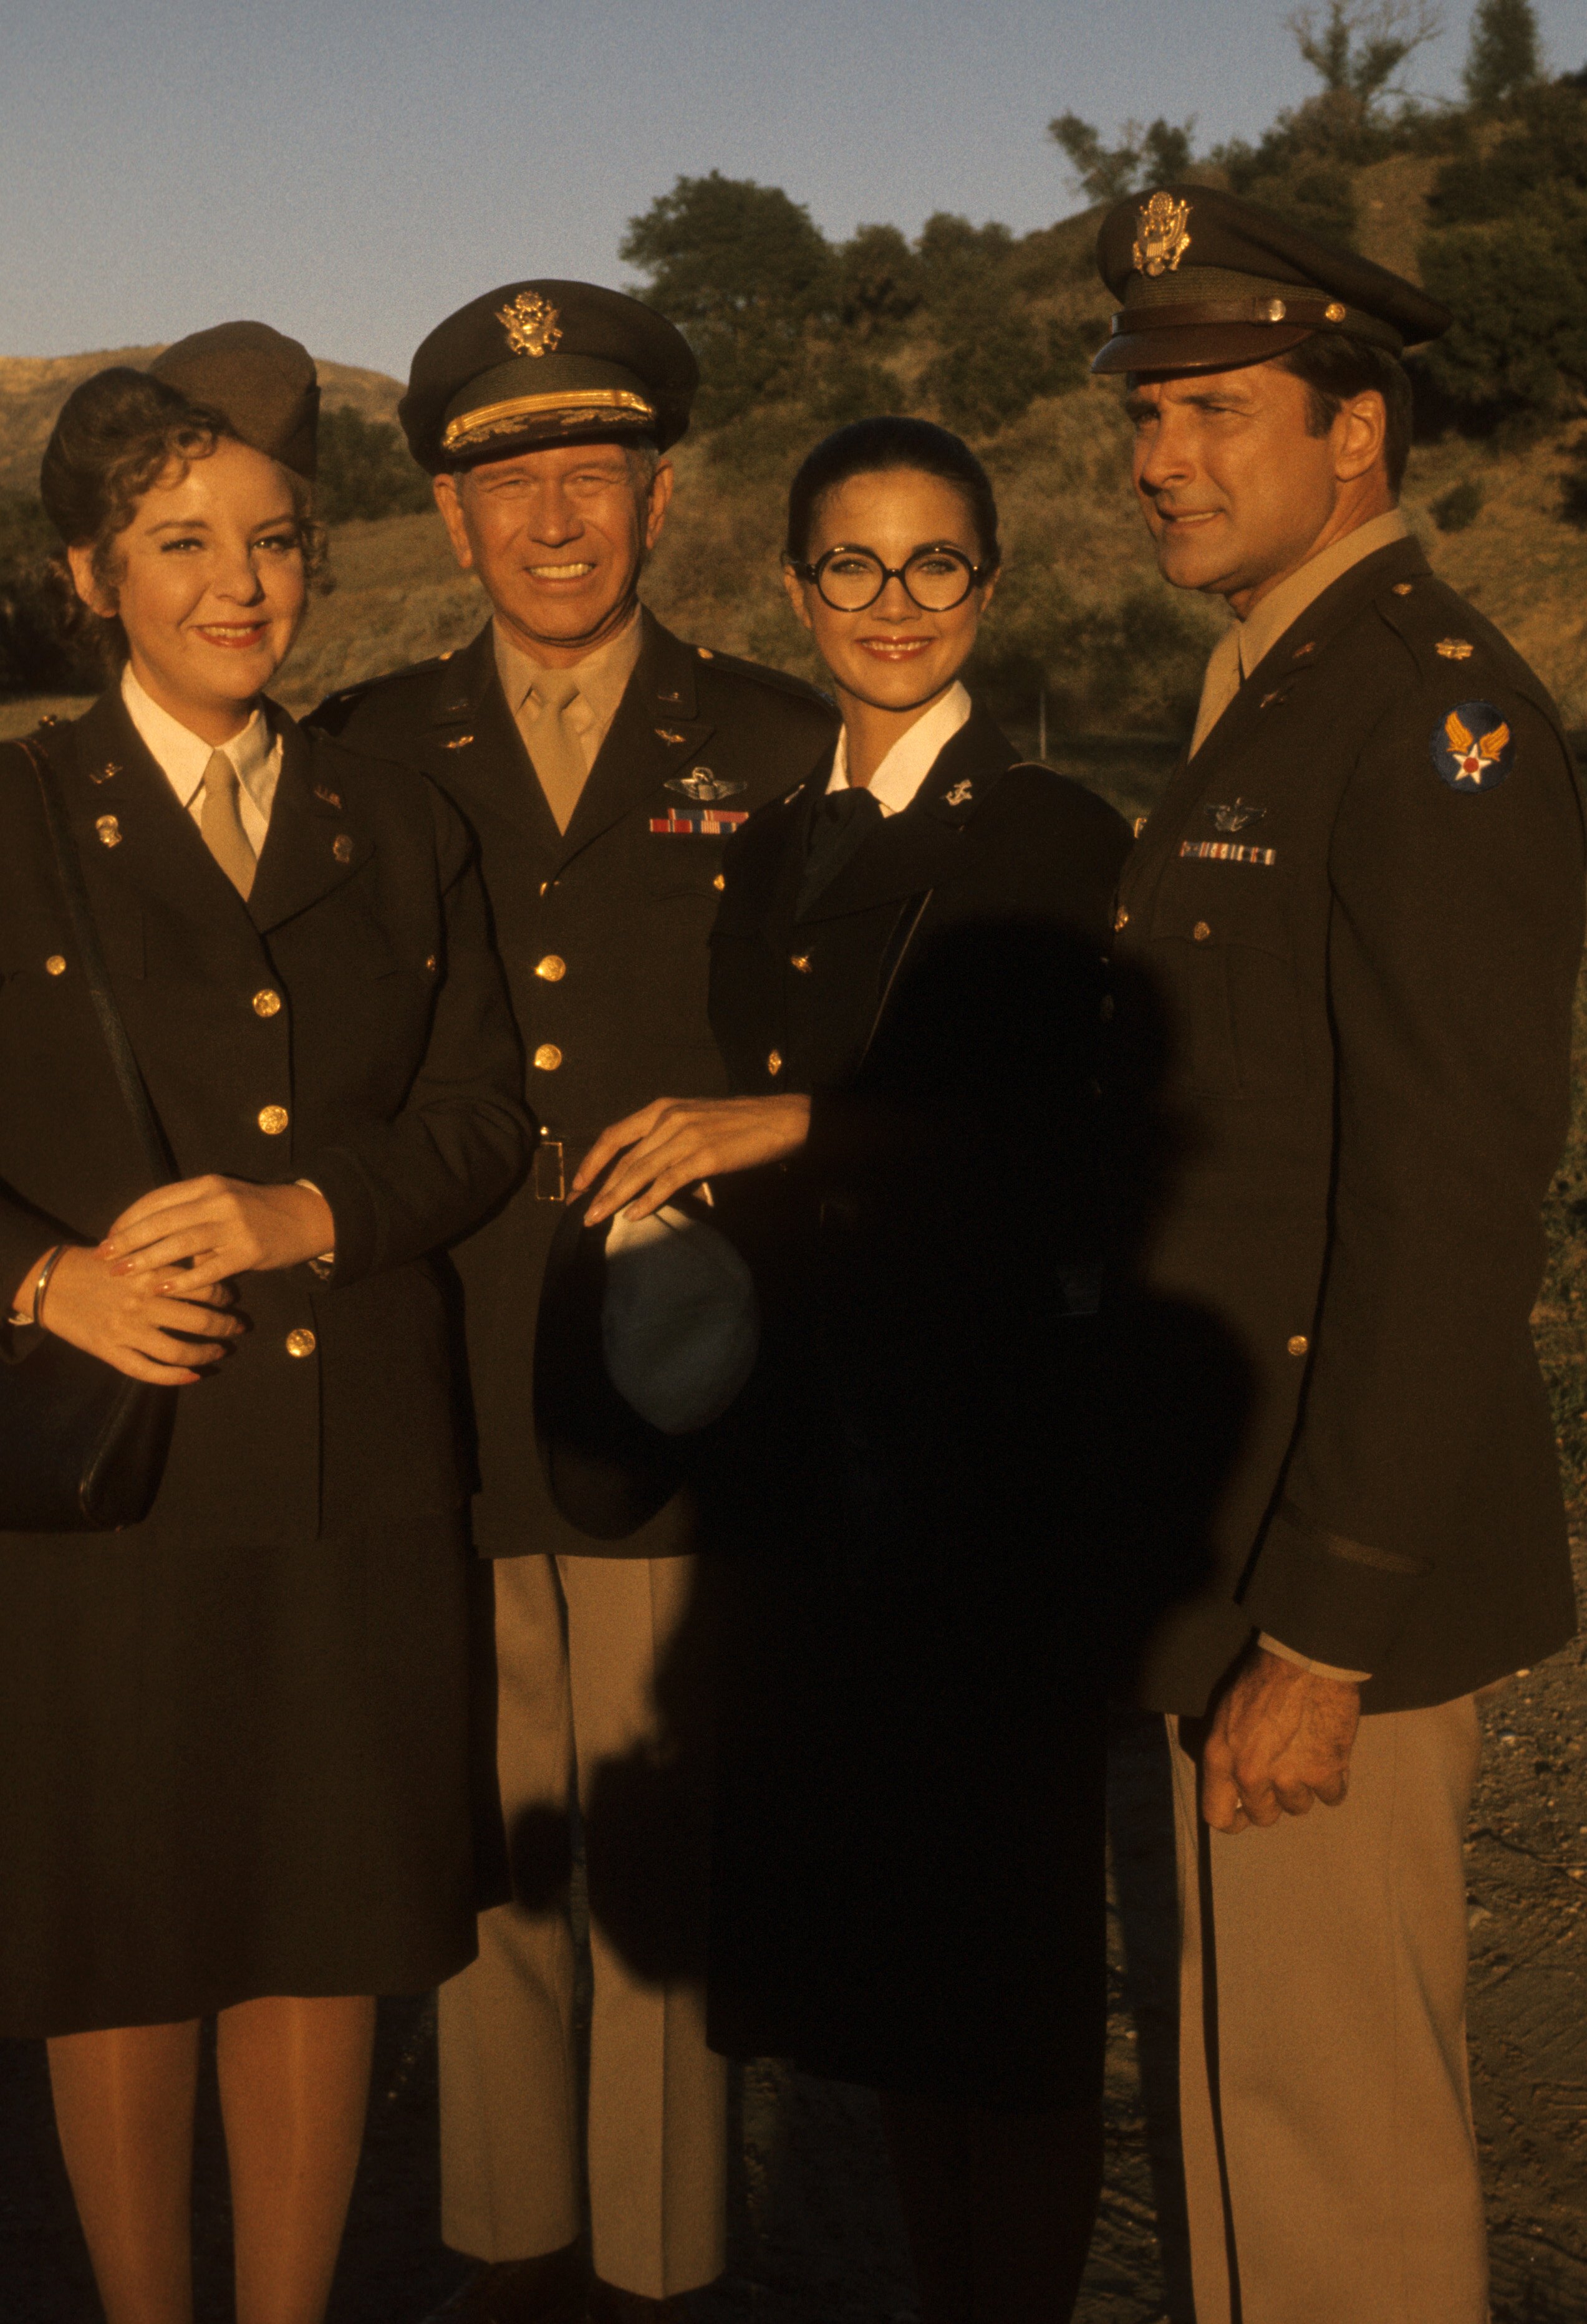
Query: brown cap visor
pixel 1199 347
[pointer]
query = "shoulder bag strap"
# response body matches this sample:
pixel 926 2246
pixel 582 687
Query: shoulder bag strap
pixel 151 1137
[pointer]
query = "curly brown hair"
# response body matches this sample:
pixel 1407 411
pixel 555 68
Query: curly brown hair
pixel 116 435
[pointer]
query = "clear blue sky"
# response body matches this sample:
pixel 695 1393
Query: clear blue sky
pixel 352 170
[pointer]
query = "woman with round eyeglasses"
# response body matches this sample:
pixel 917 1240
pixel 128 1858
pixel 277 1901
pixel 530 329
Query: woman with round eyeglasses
pixel 907 986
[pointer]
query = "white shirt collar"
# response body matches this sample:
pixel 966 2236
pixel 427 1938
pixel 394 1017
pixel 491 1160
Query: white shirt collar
pixel 899 776
pixel 182 756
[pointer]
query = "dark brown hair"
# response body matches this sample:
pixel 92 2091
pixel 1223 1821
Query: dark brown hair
pixel 867 447
pixel 1334 368
pixel 116 435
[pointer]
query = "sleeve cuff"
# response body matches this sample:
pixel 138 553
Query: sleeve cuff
pixel 1339 1601
pixel 1272 1645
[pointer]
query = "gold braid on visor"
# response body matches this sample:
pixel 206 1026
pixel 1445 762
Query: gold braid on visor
pixel 574 407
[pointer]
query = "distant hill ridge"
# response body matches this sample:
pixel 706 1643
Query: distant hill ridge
pixel 33 389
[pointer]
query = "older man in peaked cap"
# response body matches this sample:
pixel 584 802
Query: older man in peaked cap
pixel 601 763
pixel 1360 900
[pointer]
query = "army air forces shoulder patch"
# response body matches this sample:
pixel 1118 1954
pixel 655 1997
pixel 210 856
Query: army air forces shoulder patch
pixel 1473 747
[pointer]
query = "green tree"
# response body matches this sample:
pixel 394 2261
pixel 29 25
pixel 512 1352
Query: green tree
pixel 878 282
pixel 365 469
pixel 743 271
pixel 1143 157
pixel 1508 252
pixel 1503 56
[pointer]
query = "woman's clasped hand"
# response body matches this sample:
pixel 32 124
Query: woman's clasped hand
pixel 153 1299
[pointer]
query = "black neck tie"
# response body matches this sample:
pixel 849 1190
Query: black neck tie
pixel 839 828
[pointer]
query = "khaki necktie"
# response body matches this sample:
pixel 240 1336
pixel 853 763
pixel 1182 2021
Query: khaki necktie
pixel 1218 687
pixel 556 751
pixel 221 823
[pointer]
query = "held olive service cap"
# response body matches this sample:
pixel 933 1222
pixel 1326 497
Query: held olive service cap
pixel 545 362
pixel 1208 283
pixel 264 383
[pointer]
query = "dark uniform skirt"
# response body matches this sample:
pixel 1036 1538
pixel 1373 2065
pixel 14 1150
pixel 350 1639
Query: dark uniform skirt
pixel 231 1773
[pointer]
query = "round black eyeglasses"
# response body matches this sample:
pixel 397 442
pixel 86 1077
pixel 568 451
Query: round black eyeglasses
pixel 936 578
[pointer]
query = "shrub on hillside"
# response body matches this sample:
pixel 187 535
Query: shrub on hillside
pixel 33 660
pixel 366 470
pixel 1460 506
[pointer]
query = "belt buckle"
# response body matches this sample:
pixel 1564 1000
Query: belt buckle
pixel 549 1177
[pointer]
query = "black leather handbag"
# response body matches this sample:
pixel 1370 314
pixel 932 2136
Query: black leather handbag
pixel 83 1447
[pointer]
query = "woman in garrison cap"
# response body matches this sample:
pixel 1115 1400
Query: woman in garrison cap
pixel 238 1775
pixel 907 988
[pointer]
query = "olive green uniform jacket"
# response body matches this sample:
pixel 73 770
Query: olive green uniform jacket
pixel 603 931
pixel 1366 960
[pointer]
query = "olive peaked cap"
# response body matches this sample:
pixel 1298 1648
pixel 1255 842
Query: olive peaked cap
pixel 547 362
pixel 1208 282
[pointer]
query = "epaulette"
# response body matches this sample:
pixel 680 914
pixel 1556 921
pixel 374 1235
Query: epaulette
pixel 779 682
pixel 1448 638
pixel 334 712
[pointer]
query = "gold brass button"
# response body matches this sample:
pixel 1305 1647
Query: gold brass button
pixel 301 1343
pixel 1402 588
pixel 56 964
pixel 266 1003
pixel 432 963
pixel 774 1062
pixel 548 1058
pixel 1276 310
pixel 274 1120
pixel 1334 312
pixel 1298 1345
pixel 719 882
pixel 1201 931
pixel 1120 919
pixel 109 831
pixel 801 961
pixel 553 968
pixel 341 847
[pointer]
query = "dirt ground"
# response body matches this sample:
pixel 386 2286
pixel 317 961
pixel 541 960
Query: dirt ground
pixel 815 2236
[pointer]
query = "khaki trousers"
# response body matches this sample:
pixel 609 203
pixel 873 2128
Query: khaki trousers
pixel 602 1685
pixel 1330 2161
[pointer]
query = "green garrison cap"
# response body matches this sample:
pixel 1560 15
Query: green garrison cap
pixel 264 384
pixel 1207 282
pixel 545 362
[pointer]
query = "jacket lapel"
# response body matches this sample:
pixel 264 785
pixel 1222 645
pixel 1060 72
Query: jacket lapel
pixel 130 827
pixel 1299 650
pixel 657 737
pixel 313 845
pixel 920 848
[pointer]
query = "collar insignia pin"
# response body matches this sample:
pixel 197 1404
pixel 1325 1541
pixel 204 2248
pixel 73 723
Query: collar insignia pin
pixel 105 774
pixel 530 323
pixel 1455 649
pixel 960 795
pixel 669 735
pixel 331 798
pixel 1164 235
pixel 458 743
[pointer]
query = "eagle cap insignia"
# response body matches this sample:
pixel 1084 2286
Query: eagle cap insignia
pixel 530 323
pixel 1473 749
pixel 1163 236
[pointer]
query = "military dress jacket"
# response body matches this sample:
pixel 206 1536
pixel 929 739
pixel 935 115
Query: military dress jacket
pixel 346 1024
pixel 942 999
pixel 1360 906
pixel 603 931
pixel 907 1886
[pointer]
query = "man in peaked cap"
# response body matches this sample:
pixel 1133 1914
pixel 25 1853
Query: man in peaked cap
pixel 1361 902
pixel 601 763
